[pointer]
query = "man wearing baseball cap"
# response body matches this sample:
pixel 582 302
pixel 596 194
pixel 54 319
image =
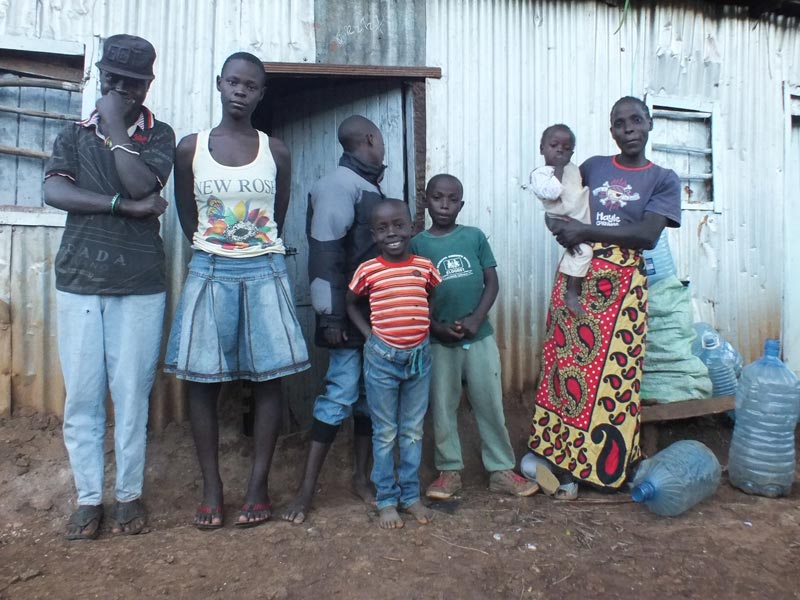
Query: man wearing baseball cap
pixel 107 172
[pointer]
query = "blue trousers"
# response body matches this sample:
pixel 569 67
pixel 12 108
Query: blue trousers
pixel 108 343
pixel 342 396
pixel 397 383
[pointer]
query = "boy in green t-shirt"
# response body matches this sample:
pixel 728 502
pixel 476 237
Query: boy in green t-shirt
pixel 464 345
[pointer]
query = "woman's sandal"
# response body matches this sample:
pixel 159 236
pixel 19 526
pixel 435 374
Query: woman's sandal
pixel 204 517
pixel 84 522
pixel 567 491
pixel 548 482
pixel 256 514
pixel 129 518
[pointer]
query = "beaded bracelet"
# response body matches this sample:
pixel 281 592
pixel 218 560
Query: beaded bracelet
pixel 114 202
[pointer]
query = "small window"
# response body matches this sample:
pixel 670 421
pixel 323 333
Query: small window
pixel 683 140
pixel 40 91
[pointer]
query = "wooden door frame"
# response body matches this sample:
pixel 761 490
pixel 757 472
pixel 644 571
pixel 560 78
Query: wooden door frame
pixel 412 80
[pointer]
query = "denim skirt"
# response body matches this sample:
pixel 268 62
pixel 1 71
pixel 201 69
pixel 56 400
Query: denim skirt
pixel 236 320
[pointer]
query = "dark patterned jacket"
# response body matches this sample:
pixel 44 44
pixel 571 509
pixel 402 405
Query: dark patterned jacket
pixel 339 239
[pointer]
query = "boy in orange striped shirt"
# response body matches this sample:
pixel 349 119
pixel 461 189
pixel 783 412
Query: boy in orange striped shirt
pixel 397 359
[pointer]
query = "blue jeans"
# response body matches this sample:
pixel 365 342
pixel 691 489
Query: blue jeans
pixel 342 395
pixel 108 343
pixel 397 383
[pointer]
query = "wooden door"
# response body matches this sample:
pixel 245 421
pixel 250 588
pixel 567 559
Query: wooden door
pixel 307 122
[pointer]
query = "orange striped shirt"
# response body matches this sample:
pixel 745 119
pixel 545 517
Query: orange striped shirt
pixel 398 297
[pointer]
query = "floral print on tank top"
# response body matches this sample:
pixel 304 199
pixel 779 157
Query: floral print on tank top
pixel 238 228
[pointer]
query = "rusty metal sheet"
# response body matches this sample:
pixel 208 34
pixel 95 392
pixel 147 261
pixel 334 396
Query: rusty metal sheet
pixel 370 32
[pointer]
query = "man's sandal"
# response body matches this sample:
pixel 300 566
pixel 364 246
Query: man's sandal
pixel 84 522
pixel 129 518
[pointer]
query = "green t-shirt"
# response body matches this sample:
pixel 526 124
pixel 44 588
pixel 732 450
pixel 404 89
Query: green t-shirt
pixel 460 257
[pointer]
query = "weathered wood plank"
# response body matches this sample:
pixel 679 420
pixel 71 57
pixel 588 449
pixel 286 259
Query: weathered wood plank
pixel 39 113
pixel 40 68
pixel 11 151
pixel 5 320
pixel 332 70
pixel 25 82
pixel 673 411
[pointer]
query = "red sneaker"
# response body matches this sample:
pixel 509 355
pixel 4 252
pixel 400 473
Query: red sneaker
pixel 447 485
pixel 508 482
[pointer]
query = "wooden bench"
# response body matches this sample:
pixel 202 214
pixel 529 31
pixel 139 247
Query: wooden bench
pixel 654 413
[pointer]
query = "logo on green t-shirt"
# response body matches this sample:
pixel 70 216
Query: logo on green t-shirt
pixel 454 266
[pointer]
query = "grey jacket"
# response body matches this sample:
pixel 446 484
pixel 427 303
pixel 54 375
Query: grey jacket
pixel 339 239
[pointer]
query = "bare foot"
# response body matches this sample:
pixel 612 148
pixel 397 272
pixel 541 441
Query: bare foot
pixel 572 297
pixel 362 487
pixel 420 512
pixel 389 519
pixel 574 305
pixel 296 512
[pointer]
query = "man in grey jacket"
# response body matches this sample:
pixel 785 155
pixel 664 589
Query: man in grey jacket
pixel 339 239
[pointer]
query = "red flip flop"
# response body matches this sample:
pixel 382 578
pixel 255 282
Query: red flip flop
pixel 252 512
pixel 213 512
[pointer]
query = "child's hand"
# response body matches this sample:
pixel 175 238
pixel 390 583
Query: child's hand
pixel 575 251
pixel 446 332
pixel 470 325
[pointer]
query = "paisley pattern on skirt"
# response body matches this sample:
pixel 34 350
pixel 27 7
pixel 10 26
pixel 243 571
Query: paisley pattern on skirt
pixel 586 412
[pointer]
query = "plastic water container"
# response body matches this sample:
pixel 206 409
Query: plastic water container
pixel 677 478
pixel 720 371
pixel 658 262
pixel 762 456
pixel 732 356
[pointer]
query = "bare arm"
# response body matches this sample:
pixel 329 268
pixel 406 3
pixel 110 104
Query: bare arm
pixel 283 181
pixel 471 323
pixel 136 177
pixel 62 193
pixel 184 186
pixel 644 235
pixel 355 315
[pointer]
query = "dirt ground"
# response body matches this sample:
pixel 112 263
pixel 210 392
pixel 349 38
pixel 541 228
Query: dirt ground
pixel 479 546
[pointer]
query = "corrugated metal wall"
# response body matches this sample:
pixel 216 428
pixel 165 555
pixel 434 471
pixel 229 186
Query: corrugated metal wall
pixel 370 32
pixel 192 40
pixel 512 68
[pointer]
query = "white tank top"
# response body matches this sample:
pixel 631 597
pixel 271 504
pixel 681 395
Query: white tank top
pixel 235 205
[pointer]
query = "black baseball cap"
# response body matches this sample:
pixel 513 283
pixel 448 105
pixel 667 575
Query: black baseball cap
pixel 129 56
